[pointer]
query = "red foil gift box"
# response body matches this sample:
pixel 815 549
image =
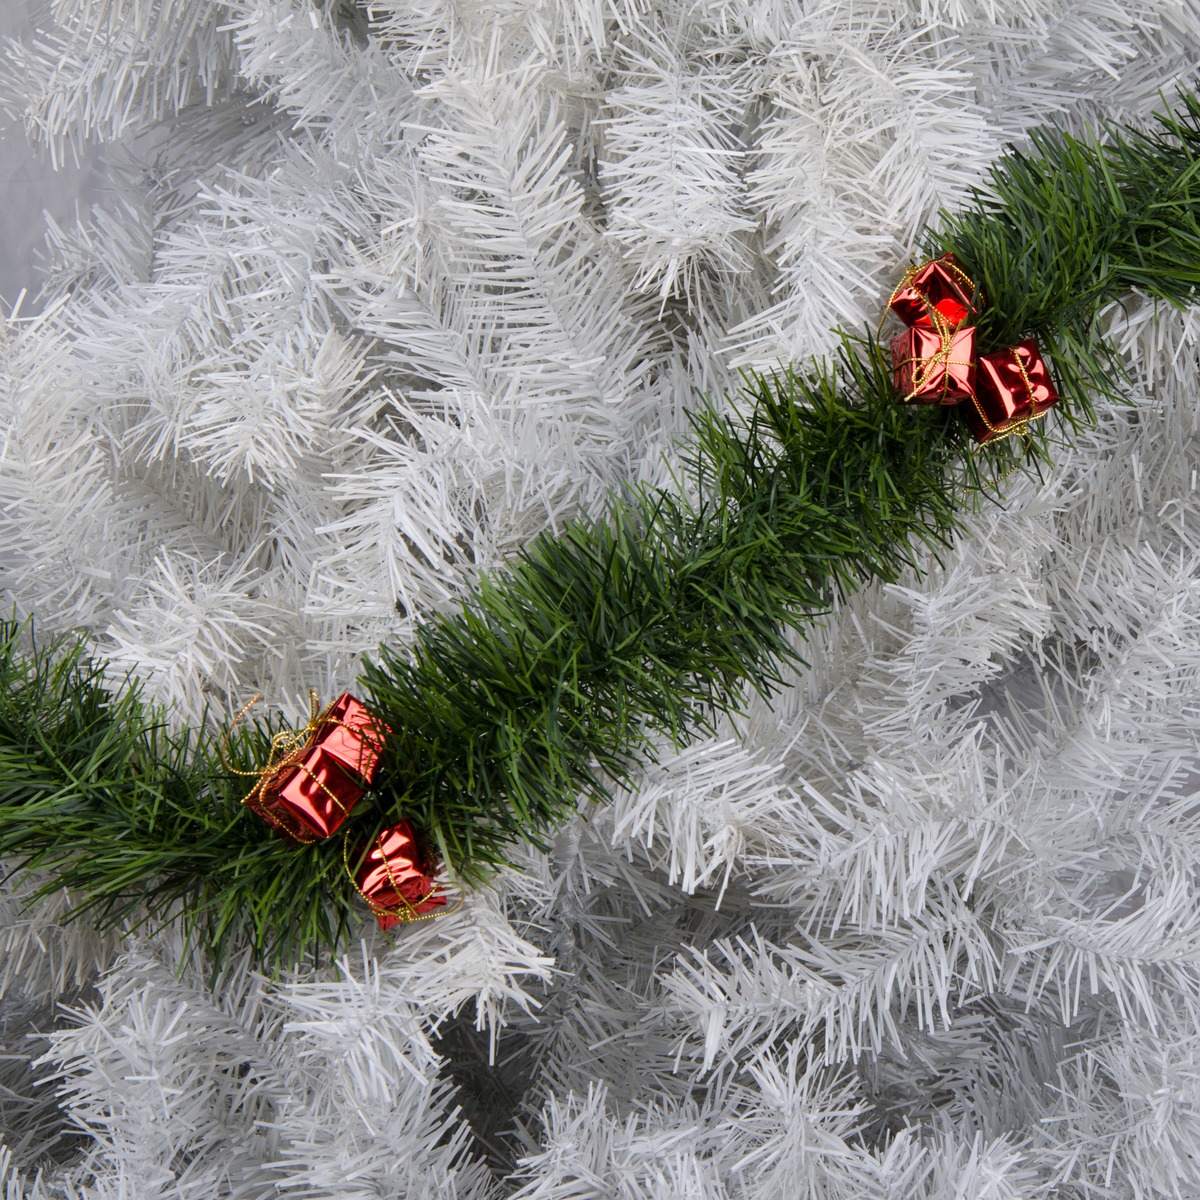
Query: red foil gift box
pixel 940 286
pixel 395 877
pixel 1012 388
pixel 308 794
pixel 349 736
pixel 934 366
pixel 310 799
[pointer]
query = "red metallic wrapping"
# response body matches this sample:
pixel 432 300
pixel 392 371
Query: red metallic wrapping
pixel 348 735
pixel 934 366
pixel 1012 388
pixel 311 799
pixel 395 877
pixel 940 286
pixel 317 774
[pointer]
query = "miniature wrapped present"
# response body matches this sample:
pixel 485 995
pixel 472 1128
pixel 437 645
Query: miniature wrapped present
pixel 934 366
pixel 1012 388
pixel 396 877
pixel 938 291
pixel 317 774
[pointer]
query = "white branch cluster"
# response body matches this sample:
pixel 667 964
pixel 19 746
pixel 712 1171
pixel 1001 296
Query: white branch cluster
pixel 385 289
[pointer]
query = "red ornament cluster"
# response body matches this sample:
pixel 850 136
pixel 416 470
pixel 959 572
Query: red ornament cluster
pixel 934 359
pixel 316 775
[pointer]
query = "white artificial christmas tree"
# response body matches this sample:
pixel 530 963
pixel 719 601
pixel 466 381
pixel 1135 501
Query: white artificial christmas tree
pixel 385 289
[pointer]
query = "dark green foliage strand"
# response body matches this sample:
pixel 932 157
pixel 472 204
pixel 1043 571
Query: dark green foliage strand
pixel 558 676
pixel 566 670
pixel 141 823
pixel 1061 230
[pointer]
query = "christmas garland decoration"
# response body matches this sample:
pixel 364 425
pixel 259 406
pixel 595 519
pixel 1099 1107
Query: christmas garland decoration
pixel 565 671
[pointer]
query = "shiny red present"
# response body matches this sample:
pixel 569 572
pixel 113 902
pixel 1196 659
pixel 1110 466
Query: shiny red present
pixel 309 798
pixel 350 737
pixel 932 366
pixel 1012 388
pixel 317 774
pixel 396 877
pixel 936 293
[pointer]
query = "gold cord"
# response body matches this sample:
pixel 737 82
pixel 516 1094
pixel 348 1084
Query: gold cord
pixel 910 273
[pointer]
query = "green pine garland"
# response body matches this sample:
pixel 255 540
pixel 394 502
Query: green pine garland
pixel 564 671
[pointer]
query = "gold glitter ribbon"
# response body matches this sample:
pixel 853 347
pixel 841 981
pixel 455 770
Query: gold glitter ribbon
pixel 288 747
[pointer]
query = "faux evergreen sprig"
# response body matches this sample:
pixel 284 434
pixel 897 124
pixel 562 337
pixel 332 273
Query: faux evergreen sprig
pixel 565 670
pixel 562 673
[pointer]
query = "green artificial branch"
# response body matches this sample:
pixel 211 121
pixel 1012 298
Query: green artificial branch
pixel 564 671
pixel 561 674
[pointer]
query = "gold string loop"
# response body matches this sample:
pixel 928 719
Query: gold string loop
pixel 910 273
